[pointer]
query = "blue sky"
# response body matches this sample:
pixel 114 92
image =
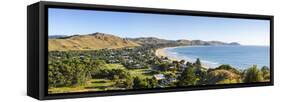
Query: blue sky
pixel 132 25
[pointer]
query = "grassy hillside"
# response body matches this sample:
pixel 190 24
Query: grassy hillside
pixel 89 42
pixel 223 76
pixel 98 41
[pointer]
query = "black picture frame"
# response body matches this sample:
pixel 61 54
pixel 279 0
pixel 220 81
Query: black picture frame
pixel 37 31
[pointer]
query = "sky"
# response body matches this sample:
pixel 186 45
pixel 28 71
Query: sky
pixel 172 27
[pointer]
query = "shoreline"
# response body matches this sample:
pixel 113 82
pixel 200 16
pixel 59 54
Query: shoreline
pixel 162 52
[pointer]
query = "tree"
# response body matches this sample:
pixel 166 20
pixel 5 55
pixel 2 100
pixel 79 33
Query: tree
pixel 182 61
pixel 176 64
pixel 197 63
pixel 265 72
pixel 264 69
pixel 229 68
pixel 188 64
pixel 152 82
pixel 164 66
pixel 188 77
pixel 139 83
pixel 253 74
pixel 202 77
pixel 66 69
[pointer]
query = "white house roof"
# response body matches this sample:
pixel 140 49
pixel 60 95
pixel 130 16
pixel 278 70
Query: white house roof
pixel 159 76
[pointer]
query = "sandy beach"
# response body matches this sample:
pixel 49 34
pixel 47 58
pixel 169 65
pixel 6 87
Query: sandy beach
pixel 162 52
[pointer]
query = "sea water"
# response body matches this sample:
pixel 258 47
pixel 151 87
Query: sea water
pixel 240 57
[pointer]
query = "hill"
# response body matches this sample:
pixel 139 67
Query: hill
pixel 157 41
pixel 93 41
pixel 151 41
pixel 98 40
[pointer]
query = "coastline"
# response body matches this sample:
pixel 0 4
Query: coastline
pixel 162 52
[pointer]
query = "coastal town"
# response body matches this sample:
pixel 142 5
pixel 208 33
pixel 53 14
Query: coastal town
pixel 162 69
pixel 141 66
pixel 132 68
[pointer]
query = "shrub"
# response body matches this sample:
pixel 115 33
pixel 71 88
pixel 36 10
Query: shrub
pixel 253 74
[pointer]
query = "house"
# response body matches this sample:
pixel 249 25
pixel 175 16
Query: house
pixel 159 76
pixel 137 66
pixel 113 61
pixel 182 67
pixel 164 60
pixel 171 80
pixel 81 56
pixel 125 53
pixel 171 67
pixel 130 61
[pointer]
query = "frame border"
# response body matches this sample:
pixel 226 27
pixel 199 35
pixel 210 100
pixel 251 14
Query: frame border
pixel 43 48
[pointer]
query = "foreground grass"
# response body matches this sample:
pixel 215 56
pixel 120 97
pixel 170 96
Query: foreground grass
pixel 101 84
pixel 115 66
pixel 91 85
pixel 142 73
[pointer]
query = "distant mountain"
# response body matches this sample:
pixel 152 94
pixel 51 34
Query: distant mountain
pixel 56 36
pixel 200 42
pixel 184 42
pixel 98 40
pixel 155 41
pixel 151 41
pixel 233 43
pixel 93 41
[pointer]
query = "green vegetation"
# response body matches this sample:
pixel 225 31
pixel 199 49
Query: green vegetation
pixel 221 76
pixel 188 77
pixel 265 73
pixel 137 68
pixel 253 74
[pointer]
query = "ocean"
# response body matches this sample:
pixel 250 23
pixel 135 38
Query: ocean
pixel 240 57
